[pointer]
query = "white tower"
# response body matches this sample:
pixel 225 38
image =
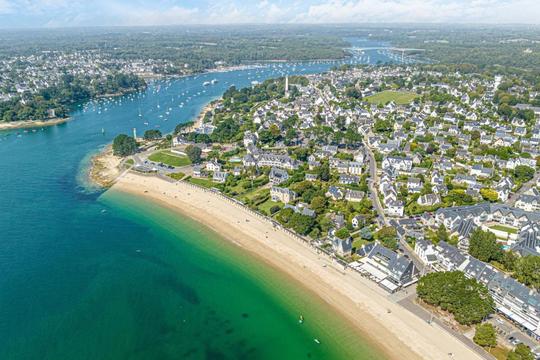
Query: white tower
pixel 286 86
pixel 135 133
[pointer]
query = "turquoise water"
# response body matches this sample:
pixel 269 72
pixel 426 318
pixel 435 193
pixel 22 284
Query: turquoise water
pixel 86 275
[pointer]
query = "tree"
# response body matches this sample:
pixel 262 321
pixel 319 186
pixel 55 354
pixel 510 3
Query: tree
pixel 485 335
pixel 324 172
pixel 523 173
pixel 483 246
pixel 467 299
pixel 124 145
pixel 527 271
pixel 194 153
pixel 152 134
pixel 382 126
pixel 318 204
pixel 342 233
pixel 183 126
pixel 442 234
pixel 388 237
pixel 521 352
pixel 489 194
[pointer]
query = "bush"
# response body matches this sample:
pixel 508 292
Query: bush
pixel 274 209
pixel 152 134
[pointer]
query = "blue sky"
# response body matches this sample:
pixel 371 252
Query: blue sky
pixel 55 13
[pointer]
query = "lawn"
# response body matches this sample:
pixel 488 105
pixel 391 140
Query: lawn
pixel 177 176
pixel 499 353
pixel 399 97
pixel 202 182
pixel 506 229
pixel 168 158
pixel 265 206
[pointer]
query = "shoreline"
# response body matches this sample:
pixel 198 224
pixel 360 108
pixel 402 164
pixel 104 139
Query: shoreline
pixel 104 168
pixel 398 335
pixel 28 124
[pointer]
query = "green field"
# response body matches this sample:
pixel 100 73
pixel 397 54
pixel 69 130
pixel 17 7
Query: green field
pixel 265 206
pixel 207 183
pixel 399 97
pixel 506 229
pixel 168 158
pixel 177 176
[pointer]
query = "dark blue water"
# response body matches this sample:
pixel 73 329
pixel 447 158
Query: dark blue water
pixel 72 282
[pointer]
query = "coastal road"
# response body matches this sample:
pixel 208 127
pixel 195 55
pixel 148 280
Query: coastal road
pixel 408 303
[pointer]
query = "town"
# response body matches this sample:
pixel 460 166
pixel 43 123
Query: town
pixel 401 173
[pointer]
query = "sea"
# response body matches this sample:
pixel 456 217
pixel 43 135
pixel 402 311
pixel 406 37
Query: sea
pixel 93 274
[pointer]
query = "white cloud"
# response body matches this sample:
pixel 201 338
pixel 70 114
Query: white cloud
pixel 5 7
pixel 175 15
pixel 432 11
pixel 170 12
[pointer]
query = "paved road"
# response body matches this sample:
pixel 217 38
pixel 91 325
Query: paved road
pixel 409 251
pixel 408 303
pixel 507 329
pixel 372 184
pixel 524 188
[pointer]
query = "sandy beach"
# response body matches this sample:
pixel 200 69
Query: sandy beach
pixel 12 125
pixel 398 333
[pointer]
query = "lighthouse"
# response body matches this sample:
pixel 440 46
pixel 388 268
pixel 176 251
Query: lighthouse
pixel 135 133
pixel 286 86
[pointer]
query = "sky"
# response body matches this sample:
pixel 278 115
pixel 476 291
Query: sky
pixel 61 13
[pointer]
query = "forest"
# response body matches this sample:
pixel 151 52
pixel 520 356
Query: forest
pixel 198 47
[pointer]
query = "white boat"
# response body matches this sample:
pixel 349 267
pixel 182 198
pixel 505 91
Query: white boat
pixel 206 83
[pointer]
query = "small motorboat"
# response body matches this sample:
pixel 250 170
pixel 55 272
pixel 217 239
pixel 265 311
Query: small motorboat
pixel 317 341
pixel 301 319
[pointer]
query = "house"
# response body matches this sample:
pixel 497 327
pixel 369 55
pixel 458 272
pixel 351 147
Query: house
pixel 213 166
pixel 425 251
pixel 398 163
pixel 528 202
pixel 197 171
pixel 301 209
pixel 220 176
pixel 358 221
pixel 276 160
pixel 277 176
pixel 335 193
pixel 342 247
pixel 348 179
pixel 390 270
pixel 355 168
pixel 250 139
pixel 354 195
pixel 414 185
pixel 395 208
pixel 429 200
pixel 311 177
pixel 480 171
pixel 283 195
